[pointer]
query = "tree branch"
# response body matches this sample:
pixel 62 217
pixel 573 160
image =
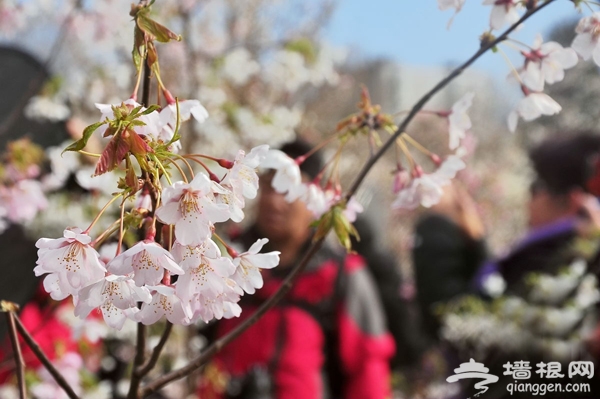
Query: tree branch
pixel 9 308
pixel 286 286
pixel 149 365
pixel 35 348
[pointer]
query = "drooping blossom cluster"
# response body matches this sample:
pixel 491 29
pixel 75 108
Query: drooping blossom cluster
pixel 544 62
pixel 192 281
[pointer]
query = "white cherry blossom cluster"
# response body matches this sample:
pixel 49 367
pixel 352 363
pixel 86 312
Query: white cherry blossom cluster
pixel 189 282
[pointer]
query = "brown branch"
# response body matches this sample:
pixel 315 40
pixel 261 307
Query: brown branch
pixel 286 286
pixel 149 365
pixel 35 348
pixel 140 347
pixel 9 308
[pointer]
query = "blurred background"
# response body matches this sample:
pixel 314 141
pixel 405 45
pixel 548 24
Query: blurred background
pixel 267 70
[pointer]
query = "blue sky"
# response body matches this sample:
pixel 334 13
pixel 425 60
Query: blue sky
pixel 414 31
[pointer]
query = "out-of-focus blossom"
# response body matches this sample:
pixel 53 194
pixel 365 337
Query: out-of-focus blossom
pixel 504 12
pixel 238 66
pixel 43 108
pixel 587 41
pixel 287 172
pixel 459 120
pixel 546 62
pixel 531 107
pixel 23 200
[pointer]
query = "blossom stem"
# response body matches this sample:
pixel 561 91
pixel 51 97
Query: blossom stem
pixel 186 162
pixel 587 3
pixel 210 173
pixel 406 152
pixel 513 70
pixel 109 203
pixel 121 233
pixel 89 154
pixel 520 43
pixel 107 233
pixel 16 347
pixel 181 172
pixel 318 147
pixel 232 252
pixel 416 144
pixel 35 348
pixel 166 174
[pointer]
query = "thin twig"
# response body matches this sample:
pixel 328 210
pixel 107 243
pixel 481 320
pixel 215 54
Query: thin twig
pixel 140 348
pixel 35 348
pixel 286 286
pixel 149 365
pixel 443 83
pixel 17 354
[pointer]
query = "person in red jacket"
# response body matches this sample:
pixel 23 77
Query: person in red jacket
pixel 327 338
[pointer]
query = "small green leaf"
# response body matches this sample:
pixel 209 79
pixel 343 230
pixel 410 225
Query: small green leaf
pixel 82 142
pixel 151 27
pixel 150 109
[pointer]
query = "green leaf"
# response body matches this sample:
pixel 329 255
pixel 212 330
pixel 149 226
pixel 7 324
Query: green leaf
pixel 82 142
pixel 150 109
pixel 151 27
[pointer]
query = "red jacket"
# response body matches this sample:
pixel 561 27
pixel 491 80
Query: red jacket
pixel 364 346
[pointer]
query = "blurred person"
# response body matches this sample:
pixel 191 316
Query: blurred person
pixel 449 248
pixel 399 312
pixel 562 218
pixel 327 338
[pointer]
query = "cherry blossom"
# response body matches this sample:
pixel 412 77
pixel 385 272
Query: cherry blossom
pixel 446 4
pixel 242 177
pixel 287 178
pixel 191 208
pixel 247 274
pixel 503 12
pixel 165 303
pixel 73 263
pixel 587 39
pixel 423 190
pixel 459 120
pixel 223 305
pixel 353 208
pixel 117 298
pixel 147 260
pixel 205 270
pixel 546 62
pixel 532 106
pixel 23 200
pixel 448 169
